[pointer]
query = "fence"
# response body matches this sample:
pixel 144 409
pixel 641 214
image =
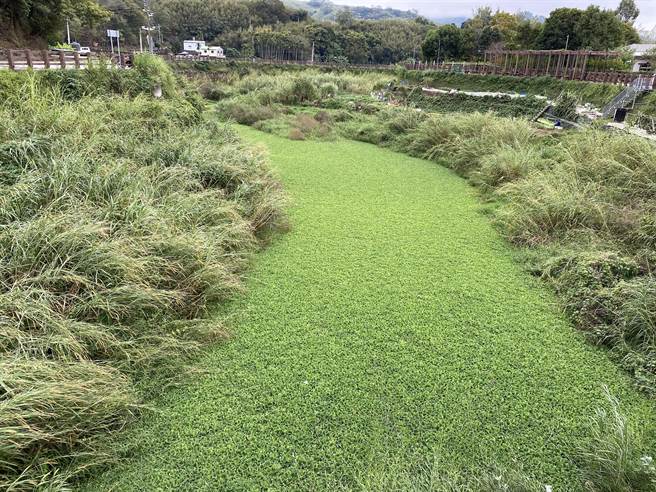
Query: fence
pixel 53 59
pixel 565 73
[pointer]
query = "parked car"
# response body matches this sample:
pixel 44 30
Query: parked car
pixel 84 51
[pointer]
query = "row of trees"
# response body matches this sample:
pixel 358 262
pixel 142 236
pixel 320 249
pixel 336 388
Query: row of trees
pixel 47 18
pixel 268 28
pixel 592 28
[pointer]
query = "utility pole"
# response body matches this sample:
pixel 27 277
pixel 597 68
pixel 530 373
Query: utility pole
pixel 149 15
pixel 312 60
pixel 140 40
pixel 68 32
pixel 567 43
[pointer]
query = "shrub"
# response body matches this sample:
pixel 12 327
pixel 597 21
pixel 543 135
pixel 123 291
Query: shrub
pixel 302 90
pixel 305 122
pixel 328 90
pixel 296 134
pixel 245 112
pixel 212 91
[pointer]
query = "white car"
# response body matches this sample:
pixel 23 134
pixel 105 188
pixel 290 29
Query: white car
pixel 84 50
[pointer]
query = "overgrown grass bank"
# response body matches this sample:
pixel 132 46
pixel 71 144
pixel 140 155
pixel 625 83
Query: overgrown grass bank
pixel 123 221
pixel 390 342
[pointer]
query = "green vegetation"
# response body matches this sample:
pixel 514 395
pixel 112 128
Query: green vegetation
pixel 580 204
pixel 320 30
pixel 598 94
pixel 388 342
pixel 46 19
pixel 521 107
pixel 124 221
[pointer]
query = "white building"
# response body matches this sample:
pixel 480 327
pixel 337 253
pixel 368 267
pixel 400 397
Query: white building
pixel 193 45
pixel 212 52
pixel 641 62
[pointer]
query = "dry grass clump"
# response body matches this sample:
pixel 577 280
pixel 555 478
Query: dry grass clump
pixel 122 221
pixel 296 134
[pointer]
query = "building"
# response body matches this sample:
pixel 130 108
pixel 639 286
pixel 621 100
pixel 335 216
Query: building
pixel 212 52
pixel 642 62
pixel 193 45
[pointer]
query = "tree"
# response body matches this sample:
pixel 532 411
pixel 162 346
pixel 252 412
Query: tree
pixel 627 11
pixel 203 19
pixel 507 26
pixel 46 18
pixel 354 46
pixel 325 41
pixel 345 18
pixel 443 43
pixel 127 16
pixel 599 29
pixel 528 34
pixel 478 33
pixel 269 12
pixel 560 24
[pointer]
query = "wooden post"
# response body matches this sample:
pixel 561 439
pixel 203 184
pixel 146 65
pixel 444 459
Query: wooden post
pixel 585 66
pixel 548 63
pixel 76 57
pixel 528 59
pixel 566 70
pixel 62 60
pixel 46 58
pixel 10 59
pixel 28 58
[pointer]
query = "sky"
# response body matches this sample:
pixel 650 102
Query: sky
pixel 458 8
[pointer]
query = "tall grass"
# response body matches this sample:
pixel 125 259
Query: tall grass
pixel 123 220
pixel 611 460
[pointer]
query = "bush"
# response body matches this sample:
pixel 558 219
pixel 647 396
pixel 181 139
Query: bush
pixel 302 90
pixel 116 243
pixel 245 111
pixel 212 91
pixel 296 134
pixel 328 90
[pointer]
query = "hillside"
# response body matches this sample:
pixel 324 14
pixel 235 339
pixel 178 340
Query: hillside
pixel 327 10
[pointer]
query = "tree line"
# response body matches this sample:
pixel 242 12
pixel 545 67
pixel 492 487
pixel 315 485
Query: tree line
pixel 270 29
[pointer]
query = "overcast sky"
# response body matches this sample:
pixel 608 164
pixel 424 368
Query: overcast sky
pixel 457 8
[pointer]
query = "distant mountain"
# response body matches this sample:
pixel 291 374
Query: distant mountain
pixel 449 20
pixel 327 10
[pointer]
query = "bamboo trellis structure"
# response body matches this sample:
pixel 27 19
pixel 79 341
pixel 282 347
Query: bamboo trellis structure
pixel 566 64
